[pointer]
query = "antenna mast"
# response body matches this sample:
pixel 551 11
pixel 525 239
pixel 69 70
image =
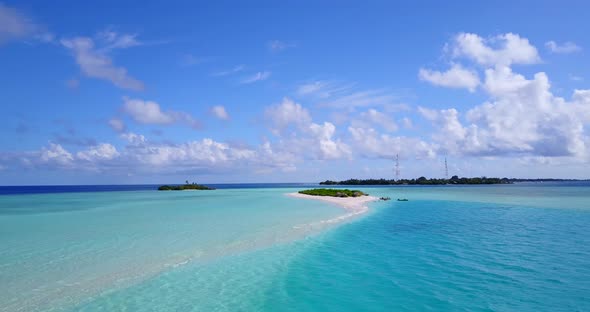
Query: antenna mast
pixel 397 167
pixel 446 169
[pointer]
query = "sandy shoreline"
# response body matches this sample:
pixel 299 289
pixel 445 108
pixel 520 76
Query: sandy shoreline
pixel 355 205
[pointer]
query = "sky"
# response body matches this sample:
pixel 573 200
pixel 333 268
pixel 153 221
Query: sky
pixel 224 92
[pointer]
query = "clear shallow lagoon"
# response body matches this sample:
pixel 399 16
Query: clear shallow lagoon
pixel 475 248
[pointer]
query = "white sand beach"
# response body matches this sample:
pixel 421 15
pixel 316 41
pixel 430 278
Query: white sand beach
pixel 354 205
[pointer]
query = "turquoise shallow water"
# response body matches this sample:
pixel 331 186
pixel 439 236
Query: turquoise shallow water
pixel 489 248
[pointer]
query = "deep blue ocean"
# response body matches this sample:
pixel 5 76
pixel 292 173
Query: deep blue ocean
pixel 521 247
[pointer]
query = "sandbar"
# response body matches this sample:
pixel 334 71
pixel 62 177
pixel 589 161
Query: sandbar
pixel 354 205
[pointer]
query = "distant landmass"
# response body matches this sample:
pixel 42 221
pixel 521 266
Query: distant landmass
pixel 182 187
pixel 452 180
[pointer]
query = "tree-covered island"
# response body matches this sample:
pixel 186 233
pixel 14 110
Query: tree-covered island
pixel 182 187
pixel 421 181
pixel 333 192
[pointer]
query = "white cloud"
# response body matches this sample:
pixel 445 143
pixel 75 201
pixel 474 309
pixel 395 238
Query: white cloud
pixel 504 49
pixel 521 117
pixel 97 64
pixel 103 151
pixel 428 113
pixel 370 143
pixel 306 138
pixel 198 153
pixel 133 139
pixel 117 124
pixel 501 80
pixel 259 76
pixel 146 112
pixel 576 77
pixel 207 155
pixel 311 88
pixel 219 112
pixel 328 147
pixel 322 89
pixel 142 156
pixel 55 154
pixel 235 69
pixel 375 98
pixel 449 130
pixel 372 118
pixel 149 112
pixel 285 114
pixel 346 96
pixel 455 77
pixel 564 48
pixel 16 25
pixel 113 40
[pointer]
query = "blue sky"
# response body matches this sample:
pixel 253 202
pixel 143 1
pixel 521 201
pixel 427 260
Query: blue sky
pixel 267 92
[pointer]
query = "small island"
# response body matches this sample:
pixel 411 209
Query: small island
pixel 183 187
pixel 333 192
pixel 353 201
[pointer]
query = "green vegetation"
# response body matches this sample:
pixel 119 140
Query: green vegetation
pixel 333 192
pixel 187 186
pixel 421 181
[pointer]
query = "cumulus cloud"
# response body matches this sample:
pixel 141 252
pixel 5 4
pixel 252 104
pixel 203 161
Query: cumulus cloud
pixel 143 156
pixel 16 25
pixel 259 76
pixel 96 63
pixel 504 49
pixel 149 112
pixel 103 151
pixel 328 147
pixel 449 129
pixel 219 112
pixel 455 77
pixel 286 113
pixel 55 154
pixel 564 48
pixel 133 139
pixel 524 116
pixel 306 137
pixel 146 112
pixel 521 117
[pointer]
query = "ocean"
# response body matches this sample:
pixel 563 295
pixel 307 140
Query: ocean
pixel 520 247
